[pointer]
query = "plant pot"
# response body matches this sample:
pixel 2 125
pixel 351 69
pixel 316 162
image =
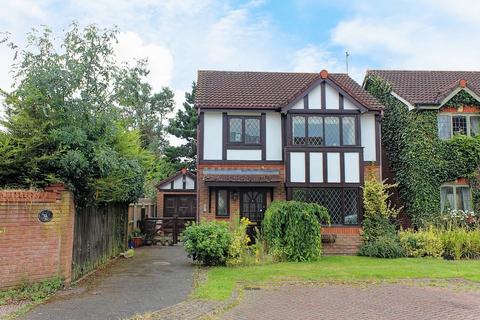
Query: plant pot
pixel 137 241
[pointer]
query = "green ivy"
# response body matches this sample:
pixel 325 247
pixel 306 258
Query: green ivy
pixel 421 161
pixel 462 98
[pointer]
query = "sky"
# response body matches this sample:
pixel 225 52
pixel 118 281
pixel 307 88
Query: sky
pixel 179 37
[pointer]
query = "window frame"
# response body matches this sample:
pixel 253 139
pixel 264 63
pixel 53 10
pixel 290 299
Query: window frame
pixel 454 188
pixel 242 142
pixel 217 192
pixel 323 116
pixel 450 116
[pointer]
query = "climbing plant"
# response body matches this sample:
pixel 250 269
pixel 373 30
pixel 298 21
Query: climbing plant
pixel 421 161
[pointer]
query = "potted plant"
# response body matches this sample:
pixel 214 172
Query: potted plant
pixel 137 237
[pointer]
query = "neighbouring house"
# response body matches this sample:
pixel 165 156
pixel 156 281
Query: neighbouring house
pixel 445 103
pixel 265 136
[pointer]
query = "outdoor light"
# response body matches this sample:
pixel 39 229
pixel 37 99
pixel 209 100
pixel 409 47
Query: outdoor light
pixel 235 195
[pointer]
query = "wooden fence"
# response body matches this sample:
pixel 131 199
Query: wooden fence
pixel 100 234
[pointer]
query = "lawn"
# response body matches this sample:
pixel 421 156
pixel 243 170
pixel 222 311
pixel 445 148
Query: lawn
pixel 221 281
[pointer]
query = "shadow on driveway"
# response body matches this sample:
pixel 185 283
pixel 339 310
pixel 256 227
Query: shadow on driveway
pixel 157 277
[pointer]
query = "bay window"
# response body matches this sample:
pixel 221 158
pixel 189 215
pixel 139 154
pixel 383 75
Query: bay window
pixel 322 130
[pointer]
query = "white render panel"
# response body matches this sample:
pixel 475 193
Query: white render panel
pixel 367 127
pixel 298 105
pixel 352 167
pixel 166 186
pixel 190 183
pixel 297 166
pixel 331 97
pixel 273 137
pixel 237 154
pixel 348 105
pixel 178 183
pixel 316 167
pixel 212 135
pixel 333 167
pixel 314 98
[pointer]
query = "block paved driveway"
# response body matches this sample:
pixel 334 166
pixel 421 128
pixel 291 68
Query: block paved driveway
pixel 157 277
pixel 392 302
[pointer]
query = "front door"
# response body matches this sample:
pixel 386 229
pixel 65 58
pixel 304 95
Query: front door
pixel 253 204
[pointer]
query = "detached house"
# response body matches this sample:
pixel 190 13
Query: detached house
pixel 265 136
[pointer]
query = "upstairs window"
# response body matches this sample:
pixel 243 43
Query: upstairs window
pixel 453 124
pixel 244 130
pixel 316 130
pixel 455 197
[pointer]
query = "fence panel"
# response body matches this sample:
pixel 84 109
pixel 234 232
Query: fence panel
pixel 100 234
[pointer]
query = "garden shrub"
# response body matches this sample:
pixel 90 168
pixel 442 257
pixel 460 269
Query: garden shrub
pixel 208 242
pixel 238 249
pixel 292 230
pixel 382 247
pixel 423 243
pixel 379 235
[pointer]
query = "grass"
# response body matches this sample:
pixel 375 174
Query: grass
pixel 29 294
pixel 221 281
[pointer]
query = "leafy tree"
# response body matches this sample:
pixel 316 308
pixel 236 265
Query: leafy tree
pixel 144 110
pixel 63 117
pixel 184 126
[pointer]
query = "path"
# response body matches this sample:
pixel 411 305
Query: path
pixel 377 302
pixel 157 277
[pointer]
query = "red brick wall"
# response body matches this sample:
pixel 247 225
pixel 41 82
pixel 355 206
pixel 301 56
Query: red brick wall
pixel 347 242
pixel 29 249
pixel 203 196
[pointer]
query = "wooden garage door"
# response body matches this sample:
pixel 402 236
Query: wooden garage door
pixel 180 206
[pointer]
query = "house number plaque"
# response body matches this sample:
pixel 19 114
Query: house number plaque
pixel 45 216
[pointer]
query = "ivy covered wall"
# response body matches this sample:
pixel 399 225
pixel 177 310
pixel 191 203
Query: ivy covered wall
pixel 421 161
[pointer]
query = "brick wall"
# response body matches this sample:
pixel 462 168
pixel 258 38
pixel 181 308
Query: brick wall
pixel 347 240
pixel 31 250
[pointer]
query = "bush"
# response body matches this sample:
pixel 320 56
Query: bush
pixel 379 236
pixel 238 249
pixel 459 243
pixel 208 242
pixel 382 247
pixel 424 243
pixel 292 230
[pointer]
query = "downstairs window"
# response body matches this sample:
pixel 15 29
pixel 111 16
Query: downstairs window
pixel 455 197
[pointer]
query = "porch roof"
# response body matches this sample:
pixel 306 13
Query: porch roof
pixel 244 180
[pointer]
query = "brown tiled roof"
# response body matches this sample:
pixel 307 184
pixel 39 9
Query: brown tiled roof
pixel 427 87
pixel 256 178
pixel 266 90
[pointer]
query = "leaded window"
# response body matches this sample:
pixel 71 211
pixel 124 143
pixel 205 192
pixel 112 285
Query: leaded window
pixel 348 131
pixel 341 203
pixel 444 127
pixel 315 131
pixel 455 197
pixel 244 130
pixel 474 125
pixel 298 128
pixel 252 131
pixel 459 124
pixel 222 203
pixel 332 131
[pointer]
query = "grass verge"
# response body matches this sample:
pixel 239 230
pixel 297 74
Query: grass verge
pixel 221 281
pixel 29 295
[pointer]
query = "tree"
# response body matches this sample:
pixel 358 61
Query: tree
pixel 144 110
pixel 184 126
pixel 63 118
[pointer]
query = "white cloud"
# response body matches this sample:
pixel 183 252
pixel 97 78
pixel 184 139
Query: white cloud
pixel 422 35
pixel 131 47
pixel 313 59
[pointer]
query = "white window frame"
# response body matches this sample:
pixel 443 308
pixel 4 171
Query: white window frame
pixel 454 187
pixel 451 115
